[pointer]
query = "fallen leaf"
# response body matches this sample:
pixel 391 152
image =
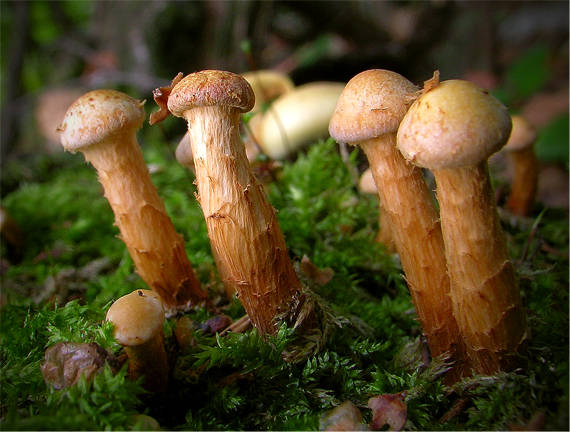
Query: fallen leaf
pixel 345 417
pixel 388 409
pixel 316 274
pixel 66 362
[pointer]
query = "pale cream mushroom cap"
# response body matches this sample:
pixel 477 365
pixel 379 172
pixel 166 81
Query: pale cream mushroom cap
pixel 366 184
pixel 267 84
pixel 372 104
pixel 298 118
pixel 455 124
pixel 138 317
pixel 522 136
pixel 98 115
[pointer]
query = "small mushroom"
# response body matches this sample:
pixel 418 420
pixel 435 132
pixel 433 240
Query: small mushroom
pixel 138 318
pixel 368 114
pixel 247 242
pixel 524 165
pixel 102 124
pixel 367 185
pixel 298 118
pixel 452 129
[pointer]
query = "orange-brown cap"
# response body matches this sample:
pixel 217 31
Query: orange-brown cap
pixel 210 88
pixel 522 136
pixel 98 115
pixel 372 104
pixel 137 317
pixel 455 124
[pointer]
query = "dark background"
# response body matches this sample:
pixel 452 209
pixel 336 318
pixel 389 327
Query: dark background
pixel 54 51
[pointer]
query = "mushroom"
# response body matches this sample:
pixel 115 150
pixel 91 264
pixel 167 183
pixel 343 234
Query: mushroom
pixel 368 114
pixel 102 124
pixel 298 118
pixel 524 165
pixel 138 318
pixel 452 129
pixel 267 85
pixel 247 242
pixel 367 185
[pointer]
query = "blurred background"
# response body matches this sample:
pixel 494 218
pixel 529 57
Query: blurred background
pixel 54 51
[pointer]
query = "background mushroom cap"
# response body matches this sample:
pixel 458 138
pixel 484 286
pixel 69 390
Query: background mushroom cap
pixel 137 317
pixel 267 85
pixel 523 134
pixel 372 104
pixel 210 88
pixel 456 124
pixel 98 115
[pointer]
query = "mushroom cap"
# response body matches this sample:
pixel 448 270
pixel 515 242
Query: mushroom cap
pixel 210 88
pixel 455 124
pixel 372 104
pixel 98 115
pixel 137 317
pixel 183 152
pixel 367 184
pixel 522 136
pixel 297 118
pixel 267 84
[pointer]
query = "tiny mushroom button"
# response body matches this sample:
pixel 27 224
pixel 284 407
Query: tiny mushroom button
pixel 368 114
pixel 138 318
pixel 452 129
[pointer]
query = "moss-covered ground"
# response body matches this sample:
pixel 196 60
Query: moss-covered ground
pixel 72 266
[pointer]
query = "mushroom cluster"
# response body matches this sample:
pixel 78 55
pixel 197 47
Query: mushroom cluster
pixel 452 129
pixel 460 278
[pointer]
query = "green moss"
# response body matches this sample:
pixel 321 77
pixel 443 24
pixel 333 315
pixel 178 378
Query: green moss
pixel 242 381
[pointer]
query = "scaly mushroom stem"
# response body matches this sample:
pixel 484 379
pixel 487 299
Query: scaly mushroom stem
pixel 247 242
pixel 102 124
pixel 415 230
pixel 486 296
pixel 156 248
pixel 525 181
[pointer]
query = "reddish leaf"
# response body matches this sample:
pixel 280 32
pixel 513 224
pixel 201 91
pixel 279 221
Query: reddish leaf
pixel 388 409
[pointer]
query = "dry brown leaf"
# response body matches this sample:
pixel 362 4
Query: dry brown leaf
pixel 345 417
pixel 388 409
pixel 66 362
pixel 318 275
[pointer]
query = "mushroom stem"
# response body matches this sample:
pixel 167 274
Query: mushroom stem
pixel 156 248
pixel 415 230
pixel 486 297
pixel 149 353
pixel 525 181
pixel 247 242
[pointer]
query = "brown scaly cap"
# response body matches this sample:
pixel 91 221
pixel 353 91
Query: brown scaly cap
pixel 455 124
pixel 137 317
pixel 209 88
pixel 372 104
pixel 522 136
pixel 97 115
